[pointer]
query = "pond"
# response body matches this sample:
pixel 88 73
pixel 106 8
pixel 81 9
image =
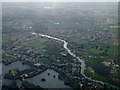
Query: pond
pixel 51 80
pixel 14 65
pixel 50 76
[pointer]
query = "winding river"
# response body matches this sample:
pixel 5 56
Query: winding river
pixel 83 65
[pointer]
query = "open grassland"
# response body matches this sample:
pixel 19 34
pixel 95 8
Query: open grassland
pixel 95 75
pixel 45 60
pixel 93 61
pixel 35 43
pixel 5 41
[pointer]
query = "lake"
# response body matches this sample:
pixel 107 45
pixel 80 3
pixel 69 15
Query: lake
pixel 14 65
pixel 51 82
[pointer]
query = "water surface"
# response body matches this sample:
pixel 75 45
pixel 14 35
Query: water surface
pixel 51 82
pixel 15 65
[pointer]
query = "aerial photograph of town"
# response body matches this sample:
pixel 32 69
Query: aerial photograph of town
pixel 60 45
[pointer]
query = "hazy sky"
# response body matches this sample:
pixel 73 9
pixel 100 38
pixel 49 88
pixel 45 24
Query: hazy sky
pixel 60 0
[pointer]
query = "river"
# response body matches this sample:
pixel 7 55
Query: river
pixel 83 65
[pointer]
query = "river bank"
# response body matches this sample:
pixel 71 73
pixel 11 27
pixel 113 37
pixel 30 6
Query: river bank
pixel 83 65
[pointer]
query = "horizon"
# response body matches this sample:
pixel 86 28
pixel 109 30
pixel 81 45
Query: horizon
pixel 60 1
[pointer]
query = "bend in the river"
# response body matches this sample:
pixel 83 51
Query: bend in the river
pixel 83 66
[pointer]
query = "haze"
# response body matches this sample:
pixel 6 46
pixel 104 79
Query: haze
pixel 60 0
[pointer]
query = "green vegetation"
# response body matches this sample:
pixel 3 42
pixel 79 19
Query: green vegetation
pixel 96 51
pixel 45 60
pixel 114 31
pixel 112 49
pixel 5 41
pixel 102 26
pixel 7 57
pixel 67 26
pixel 94 61
pixel 94 75
pixel 63 59
pixel 79 40
pixel 90 33
pixel 35 43
pixel 13 72
pixel 40 51
pixel 113 41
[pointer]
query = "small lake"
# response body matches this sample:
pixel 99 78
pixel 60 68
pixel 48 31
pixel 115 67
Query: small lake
pixel 51 82
pixel 14 65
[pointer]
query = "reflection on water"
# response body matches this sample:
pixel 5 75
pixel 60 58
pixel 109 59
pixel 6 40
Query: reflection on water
pixel 14 65
pixel 51 76
pixel 52 80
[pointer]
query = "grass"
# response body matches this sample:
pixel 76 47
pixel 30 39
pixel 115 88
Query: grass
pixel 96 51
pixel 102 26
pixel 25 22
pixel 81 52
pixel 83 43
pixel 94 75
pixel 63 59
pixel 113 41
pixel 114 31
pixel 79 41
pixel 91 69
pixel 70 25
pixel 35 43
pixel 45 60
pixel 89 50
pixel 7 57
pixel 94 61
pixel 40 51
pixel 112 49
pixel 22 24
pixel 4 41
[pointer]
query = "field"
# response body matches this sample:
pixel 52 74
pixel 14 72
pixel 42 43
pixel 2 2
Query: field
pixel 94 75
pixel 5 41
pixel 45 60
pixel 35 43
pixel 89 28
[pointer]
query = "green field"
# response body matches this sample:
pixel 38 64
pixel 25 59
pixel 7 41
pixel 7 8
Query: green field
pixel 94 75
pixel 93 61
pixel 5 41
pixel 35 43
pixel 7 57
pixel 79 41
pixel 114 31
pixel 45 60
pixel 70 25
